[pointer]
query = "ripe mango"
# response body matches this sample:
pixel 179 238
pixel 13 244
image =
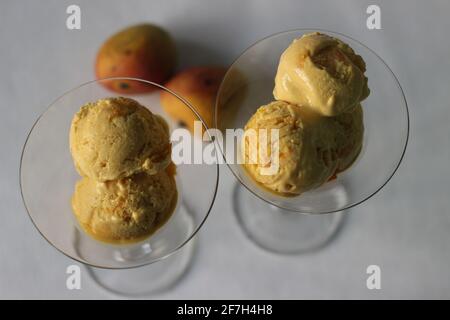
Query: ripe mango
pixel 199 86
pixel 142 51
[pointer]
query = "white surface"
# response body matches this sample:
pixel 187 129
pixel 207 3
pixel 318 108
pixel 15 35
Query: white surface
pixel 405 229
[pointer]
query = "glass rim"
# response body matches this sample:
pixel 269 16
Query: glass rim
pixel 141 94
pixel 297 30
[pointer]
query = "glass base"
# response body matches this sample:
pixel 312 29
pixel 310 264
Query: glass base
pixel 147 280
pixel 283 231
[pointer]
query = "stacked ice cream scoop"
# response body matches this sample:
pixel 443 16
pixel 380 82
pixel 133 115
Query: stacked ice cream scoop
pixel 123 153
pixel 319 85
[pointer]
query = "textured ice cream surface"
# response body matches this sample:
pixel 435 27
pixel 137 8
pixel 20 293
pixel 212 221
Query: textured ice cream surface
pixel 116 137
pixel 349 137
pixel 322 73
pixel 306 148
pixel 125 210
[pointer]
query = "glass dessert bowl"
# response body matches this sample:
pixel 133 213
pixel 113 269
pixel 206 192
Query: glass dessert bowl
pixel 272 220
pixel 48 178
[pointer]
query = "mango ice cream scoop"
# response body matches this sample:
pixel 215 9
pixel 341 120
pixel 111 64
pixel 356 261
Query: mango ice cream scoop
pixel 114 138
pixel 124 210
pixel 322 73
pixel 304 153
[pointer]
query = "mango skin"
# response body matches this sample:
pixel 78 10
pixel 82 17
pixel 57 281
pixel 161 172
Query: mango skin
pixel 142 51
pixel 199 86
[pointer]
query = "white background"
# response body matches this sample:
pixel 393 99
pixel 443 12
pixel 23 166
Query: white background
pixel 405 229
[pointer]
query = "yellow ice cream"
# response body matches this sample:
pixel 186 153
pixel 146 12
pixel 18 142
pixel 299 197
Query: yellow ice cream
pixel 323 73
pixel 125 210
pixel 117 137
pixel 306 148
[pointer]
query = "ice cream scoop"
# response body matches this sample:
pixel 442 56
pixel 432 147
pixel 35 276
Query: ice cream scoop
pixel 322 73
pixel 116 137
pixel 349 135
pixel 124 210
pixel 304 154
